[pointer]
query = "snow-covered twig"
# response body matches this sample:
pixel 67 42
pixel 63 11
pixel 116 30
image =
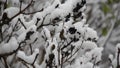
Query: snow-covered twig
pixel 21 11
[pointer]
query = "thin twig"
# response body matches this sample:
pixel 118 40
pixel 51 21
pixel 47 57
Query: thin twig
pixel 20 5
pixel 5 61
pixel 74 53
pixel 118 54
pixel 12 31
pixel 42 21
pixel 35 59
pixel 1 61
pixel 76 50
pixel 33 12
pixel 14 51
pixel 67 44
pixel 13 59
pixel 22 23
pixel 5 4
pixel 21 11
pixel 1 33
pixel 31 49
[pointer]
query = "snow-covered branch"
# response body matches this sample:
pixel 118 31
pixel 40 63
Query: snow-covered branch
pixel 57 33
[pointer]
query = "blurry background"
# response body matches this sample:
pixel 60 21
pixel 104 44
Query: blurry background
pixel 102 15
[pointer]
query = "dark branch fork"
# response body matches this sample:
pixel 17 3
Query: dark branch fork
pixel 21 11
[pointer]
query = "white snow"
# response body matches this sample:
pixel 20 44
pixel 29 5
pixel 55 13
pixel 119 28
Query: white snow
pixel 9 47
pixel 89 45
pixel 96 53
pixel 22 37
pixel 10 11
pixel 90 33
pixel 46 32
pixel 29 59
